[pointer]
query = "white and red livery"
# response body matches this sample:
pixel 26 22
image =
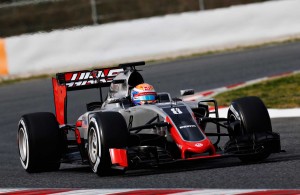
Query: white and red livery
pixel 113 135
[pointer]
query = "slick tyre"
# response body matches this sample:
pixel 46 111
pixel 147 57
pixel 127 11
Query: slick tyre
pixel 39 141
pixel 106 130
pixel 255 121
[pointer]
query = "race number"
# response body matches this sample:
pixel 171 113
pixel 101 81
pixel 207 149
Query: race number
pixel 176 111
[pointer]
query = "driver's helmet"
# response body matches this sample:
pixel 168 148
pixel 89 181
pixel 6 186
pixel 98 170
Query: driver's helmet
pixel 143 94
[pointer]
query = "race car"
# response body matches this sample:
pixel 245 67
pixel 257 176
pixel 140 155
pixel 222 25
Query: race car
pixel 114 135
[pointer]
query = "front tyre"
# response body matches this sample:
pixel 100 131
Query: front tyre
pixel 39 142
pixel 251 137
pixel 97 152
pixel 106 130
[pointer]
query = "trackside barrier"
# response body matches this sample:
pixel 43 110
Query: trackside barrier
pixel 151 38
pixel 3 60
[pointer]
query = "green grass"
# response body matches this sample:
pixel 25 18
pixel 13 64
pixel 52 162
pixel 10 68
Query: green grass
pixel 276 93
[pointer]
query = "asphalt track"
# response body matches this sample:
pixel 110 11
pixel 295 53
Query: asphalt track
pixel 201 73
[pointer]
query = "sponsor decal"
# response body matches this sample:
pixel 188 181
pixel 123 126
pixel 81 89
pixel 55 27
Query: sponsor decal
pixel 198 145
pixel 187 126
pixel 91 77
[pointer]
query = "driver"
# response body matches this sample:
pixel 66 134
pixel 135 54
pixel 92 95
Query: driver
pixel 143 94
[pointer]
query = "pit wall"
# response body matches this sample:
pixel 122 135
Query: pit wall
pixel 148 39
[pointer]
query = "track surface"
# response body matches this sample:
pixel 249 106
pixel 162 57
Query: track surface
pixel 279 171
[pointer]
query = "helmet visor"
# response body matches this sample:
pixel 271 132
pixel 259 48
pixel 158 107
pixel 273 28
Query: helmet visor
pixel 147 96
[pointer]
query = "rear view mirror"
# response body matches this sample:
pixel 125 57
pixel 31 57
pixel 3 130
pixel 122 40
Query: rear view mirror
pixel 187 92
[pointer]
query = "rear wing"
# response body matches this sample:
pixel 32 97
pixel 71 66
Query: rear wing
pixel 87 79
pixel 83 79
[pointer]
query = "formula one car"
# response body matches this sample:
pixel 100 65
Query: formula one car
pixel 114 136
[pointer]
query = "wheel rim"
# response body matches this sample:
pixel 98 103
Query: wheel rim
pixel 23 144
pixel 93 145
pixel 232 118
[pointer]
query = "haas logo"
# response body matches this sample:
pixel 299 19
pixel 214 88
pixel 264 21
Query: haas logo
pixel 91 77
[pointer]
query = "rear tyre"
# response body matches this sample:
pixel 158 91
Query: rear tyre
pixel 106 130
pixel 254 130
pixel 39 142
